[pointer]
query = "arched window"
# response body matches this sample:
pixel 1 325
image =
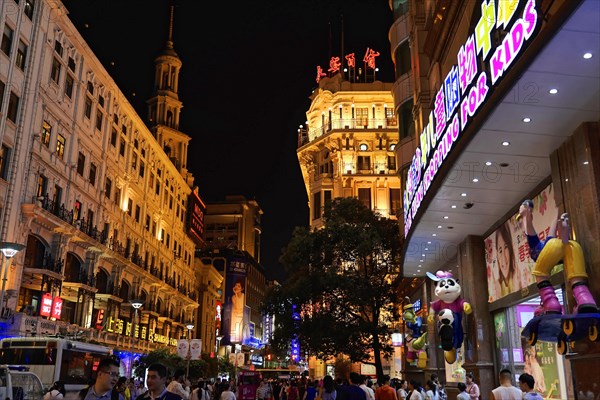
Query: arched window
pixel 125 290
pixel 72 268
pixel 102 281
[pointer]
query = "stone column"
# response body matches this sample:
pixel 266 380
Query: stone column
pixel 576 177
pixel 479 326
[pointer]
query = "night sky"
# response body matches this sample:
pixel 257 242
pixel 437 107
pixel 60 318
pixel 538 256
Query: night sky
pixel 248 69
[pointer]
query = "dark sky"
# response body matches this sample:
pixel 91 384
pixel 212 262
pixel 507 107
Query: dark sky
pixel 248 69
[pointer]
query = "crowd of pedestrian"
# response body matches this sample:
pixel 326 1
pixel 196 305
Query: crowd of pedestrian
pixel 109 385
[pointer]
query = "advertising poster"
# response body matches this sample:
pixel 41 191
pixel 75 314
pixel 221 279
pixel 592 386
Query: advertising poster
pixel 235 301
pixel 195 349
pixel 502 340
pixel 183 348
pixel 541 361
pixel 507 252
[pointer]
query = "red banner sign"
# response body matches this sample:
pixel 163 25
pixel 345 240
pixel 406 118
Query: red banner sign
pixel 46 307
pixel 56 307
pixel 99 319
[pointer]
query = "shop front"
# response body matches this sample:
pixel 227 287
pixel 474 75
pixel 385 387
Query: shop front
pixel 522 124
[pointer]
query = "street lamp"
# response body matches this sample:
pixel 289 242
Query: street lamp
pixel 189 326
pixel 218 344
pixel 9 250
pixel 136 304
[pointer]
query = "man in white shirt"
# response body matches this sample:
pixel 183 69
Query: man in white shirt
pixel 368 391
pixel 179 385
pixel 506 391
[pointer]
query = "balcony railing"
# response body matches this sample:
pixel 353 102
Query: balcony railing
pixel 48 263
pixel 307 135
pixel 101 237
pixel 369 169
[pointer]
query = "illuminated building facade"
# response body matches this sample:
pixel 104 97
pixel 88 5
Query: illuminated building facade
pixel 99 197
pixel 233 238
pixel 209 314
pixel 505 108
pixel 347 148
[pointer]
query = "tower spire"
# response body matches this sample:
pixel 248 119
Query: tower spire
pixel 171 25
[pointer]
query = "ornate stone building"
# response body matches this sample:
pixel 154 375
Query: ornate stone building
pixel 348 147
pixel 98 196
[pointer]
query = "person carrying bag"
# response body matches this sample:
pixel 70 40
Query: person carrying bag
pixel 56 392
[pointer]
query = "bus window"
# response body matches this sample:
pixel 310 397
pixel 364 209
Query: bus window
pixel 55 359
pixel 76 367
pixel 27 356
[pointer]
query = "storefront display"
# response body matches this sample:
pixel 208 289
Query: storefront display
pixel 509 265
pixel 541 360
pixel 447 311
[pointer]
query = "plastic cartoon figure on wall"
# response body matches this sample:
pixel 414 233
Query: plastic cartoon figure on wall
pixel 448 309
pixel 549 324
pixel 415 340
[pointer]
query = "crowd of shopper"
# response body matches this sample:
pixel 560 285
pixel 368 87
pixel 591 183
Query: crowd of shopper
pixel 109 385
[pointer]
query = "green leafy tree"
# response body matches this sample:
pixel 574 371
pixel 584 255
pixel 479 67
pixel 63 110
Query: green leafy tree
pixel 339 296
pixel 198 368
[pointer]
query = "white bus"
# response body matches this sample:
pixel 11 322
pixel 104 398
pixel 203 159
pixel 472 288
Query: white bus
pixel 53 359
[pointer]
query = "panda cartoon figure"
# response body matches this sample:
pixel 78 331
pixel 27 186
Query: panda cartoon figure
pixel 448 309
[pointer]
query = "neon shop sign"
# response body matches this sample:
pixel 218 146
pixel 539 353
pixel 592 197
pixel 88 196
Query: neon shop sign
pixel 465 89
pixel 335 65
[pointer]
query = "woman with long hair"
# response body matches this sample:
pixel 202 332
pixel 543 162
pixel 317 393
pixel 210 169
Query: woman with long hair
pixel 329 392
pixel 505 258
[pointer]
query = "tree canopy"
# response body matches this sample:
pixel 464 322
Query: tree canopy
pixel 198 368
pixel 339 296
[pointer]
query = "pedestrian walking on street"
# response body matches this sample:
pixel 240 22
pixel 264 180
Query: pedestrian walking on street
pixel 527 385
pixel 472 387
pixel 180 385
pixel 401 392
pixel 414 391
pixel 385 391
pixel 506 390
pixel 440 388
pixel 462 395
pixel 368 391
pixel 106 380
pixel 156 380
pixel 353 390
pixel 431 391
pixel 311 390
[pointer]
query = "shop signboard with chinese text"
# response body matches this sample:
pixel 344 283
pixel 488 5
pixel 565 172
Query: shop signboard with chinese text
pixel 480 65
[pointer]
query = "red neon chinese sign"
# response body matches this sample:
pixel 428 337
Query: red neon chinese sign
pixel 46 308
pixel 351 60
pixel 369 57
pixel 56 307
pixel 320 73
pixel 334 65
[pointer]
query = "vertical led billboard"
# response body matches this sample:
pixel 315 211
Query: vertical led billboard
pixel 235 300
